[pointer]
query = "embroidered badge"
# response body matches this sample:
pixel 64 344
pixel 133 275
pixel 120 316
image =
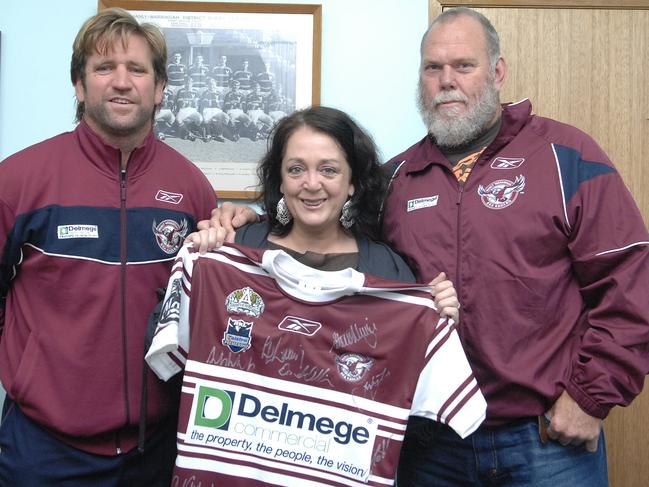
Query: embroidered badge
pixel 419 203
pixel 299 325
pixel 237 337
pixel 64 232
pixel 507 162
pixel 168 197
pixel 501 193
pixel 245 301
pixel 170 235
pixel 352 366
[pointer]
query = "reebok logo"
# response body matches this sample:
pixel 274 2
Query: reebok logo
pixel 299 325
pixel 507 162
pixel 168 197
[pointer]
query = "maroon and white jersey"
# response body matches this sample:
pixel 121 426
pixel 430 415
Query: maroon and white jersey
pixel 294 376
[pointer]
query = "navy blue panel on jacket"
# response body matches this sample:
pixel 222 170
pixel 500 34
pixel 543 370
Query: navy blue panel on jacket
pixel 574 170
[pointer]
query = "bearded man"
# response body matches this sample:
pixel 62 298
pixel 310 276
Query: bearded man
pixel 550 258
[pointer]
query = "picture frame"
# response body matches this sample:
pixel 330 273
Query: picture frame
pixel 267 50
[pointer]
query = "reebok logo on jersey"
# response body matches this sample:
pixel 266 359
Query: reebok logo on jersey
pixel 168 197
pixel 299 325
pixel 64 232
pixel 507 162
pixel 419 203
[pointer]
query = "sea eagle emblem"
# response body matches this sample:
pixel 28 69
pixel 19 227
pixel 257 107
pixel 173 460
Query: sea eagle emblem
pixel 501 193
pixel 352 366
pixel 170 235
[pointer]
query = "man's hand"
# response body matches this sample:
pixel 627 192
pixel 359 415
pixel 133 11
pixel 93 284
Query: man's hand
pixel 221 226
pixel 570 425
pixel 445 297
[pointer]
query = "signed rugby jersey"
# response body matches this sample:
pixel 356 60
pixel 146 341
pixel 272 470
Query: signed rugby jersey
pixel 294 376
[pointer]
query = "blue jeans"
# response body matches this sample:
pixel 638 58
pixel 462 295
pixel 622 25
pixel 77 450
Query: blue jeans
pixel 433 455
pixel 32 457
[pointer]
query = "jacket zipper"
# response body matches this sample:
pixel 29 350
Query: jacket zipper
pixel 123 260
pixel 457 244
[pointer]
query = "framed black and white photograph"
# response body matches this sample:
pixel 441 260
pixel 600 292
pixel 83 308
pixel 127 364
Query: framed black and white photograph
pixel 234 70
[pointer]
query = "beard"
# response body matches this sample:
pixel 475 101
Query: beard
pixel 448 126
pixel 115 127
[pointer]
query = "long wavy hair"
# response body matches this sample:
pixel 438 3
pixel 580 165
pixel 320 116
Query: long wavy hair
pixel 370 182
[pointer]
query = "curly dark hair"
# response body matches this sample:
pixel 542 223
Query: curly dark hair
pixel 370 182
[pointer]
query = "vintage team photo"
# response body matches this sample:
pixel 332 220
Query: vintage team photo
pixel 231 77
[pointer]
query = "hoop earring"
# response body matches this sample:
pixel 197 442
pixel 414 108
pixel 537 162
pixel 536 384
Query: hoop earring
pixel 283 215
pixel 346 217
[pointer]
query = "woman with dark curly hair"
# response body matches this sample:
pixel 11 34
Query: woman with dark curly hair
pixel 322 188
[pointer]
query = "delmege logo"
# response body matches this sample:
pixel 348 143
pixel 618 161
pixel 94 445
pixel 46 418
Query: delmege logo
pixel 77 231
pixel 419 203
pixel 279 428
pixel 215 408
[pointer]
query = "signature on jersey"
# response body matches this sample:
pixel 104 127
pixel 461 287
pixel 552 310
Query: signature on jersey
pixel 293 362
pixel 229 359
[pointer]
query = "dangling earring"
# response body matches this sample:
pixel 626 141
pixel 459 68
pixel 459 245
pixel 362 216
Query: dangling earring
pixel 283 215
pixel 346 218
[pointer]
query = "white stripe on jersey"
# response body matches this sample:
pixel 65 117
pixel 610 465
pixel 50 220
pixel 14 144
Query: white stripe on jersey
pixel 394 295
pixel 307 392
pixel 262 474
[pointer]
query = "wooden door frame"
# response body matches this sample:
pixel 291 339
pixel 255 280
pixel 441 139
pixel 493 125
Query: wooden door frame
pixel 435 6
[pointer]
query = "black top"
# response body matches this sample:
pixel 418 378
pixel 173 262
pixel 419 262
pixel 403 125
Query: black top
pixel 374 258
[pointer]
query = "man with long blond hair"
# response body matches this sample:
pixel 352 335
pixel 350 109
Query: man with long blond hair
pixel 90 223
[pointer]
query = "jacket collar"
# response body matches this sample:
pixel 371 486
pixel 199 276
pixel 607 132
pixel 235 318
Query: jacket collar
pixel 514 117
pixel 108 158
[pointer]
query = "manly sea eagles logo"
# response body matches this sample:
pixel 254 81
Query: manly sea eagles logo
pixel 237 337
pixel 245 301
pixel 170 235
pixel 352 366
pixel 170 312
pixel 501 193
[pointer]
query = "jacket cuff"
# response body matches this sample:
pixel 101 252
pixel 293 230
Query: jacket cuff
pixel 585 402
